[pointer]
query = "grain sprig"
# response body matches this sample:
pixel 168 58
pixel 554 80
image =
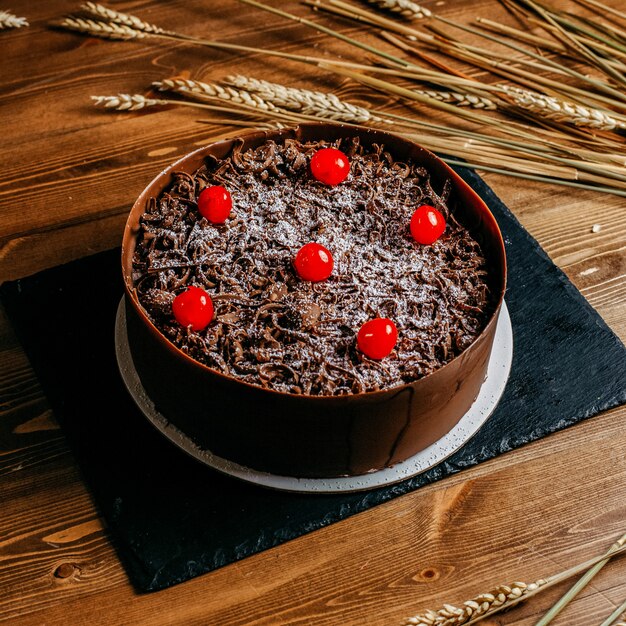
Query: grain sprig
pixel 98 28
pixel 305 101
pixel 136 102
pixel 117 17
pixel 553 108
pixel 460 99
pixel 202 90
pixel 479 606
pixel 10 20
pixel 405 8
pixel 507 596
pixel 127 102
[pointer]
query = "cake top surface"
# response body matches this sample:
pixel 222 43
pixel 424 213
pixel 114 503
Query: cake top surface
pixel 273 329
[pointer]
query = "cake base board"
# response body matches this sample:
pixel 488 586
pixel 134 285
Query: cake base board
pixel 498 370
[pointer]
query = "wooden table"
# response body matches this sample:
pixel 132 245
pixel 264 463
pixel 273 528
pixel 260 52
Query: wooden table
pixel 70 174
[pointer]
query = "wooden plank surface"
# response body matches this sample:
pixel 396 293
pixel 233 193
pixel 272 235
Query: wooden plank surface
pixel 70 174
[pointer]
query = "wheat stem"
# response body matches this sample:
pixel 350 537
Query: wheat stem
pixel 546 44
pixel 526 168
pixel 573 169
pixel 603 7
pixel 598 84
pixel 543 147
pixel 540 179
pixel 521 76
pixel 359 14
pixel 9 20
pixel 329 31
pixel 489 155
pixel 344 9
pixel 617 547
pixel 114 30
pixel 521 35
pixel 567 39
pixel 320 103
pixel 529 79
pixel 613 617
pixel 592 39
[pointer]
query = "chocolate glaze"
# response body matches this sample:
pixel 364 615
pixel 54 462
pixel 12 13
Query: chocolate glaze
pixel 277 331
pixel 302 434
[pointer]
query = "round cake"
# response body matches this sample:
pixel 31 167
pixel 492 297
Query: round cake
pixel 318 301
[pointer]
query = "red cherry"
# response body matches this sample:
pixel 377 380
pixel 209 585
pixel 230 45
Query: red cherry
pixel 215 204
pixel 427 225
pixel 377 338
pixel 194 308
pixel 313 262
pixel 330 166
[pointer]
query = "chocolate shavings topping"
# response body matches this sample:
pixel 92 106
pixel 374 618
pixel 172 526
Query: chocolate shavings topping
pixel 274 330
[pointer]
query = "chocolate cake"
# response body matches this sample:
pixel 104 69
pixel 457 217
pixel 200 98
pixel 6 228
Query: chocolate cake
pixel 279 360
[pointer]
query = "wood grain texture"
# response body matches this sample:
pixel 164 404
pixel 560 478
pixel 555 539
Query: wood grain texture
pixel 70 173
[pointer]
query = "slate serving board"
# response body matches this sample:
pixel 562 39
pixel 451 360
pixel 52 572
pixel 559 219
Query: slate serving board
pixel 174 519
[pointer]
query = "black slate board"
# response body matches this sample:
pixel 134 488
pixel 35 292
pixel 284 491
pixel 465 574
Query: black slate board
pixel 175 519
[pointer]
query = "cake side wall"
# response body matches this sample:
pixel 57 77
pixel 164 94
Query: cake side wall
pixel 312 436
pixel 305 436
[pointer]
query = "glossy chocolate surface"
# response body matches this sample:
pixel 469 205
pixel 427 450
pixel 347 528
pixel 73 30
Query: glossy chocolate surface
pixel 313 435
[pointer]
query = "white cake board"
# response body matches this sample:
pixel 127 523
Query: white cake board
pixel 492 389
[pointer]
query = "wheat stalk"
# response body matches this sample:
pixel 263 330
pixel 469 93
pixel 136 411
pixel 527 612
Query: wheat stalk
pixel 603 8
pixel 510 72
pixel 9 20
pixel 568 39
pixel 198 89
pixel 477 607
pixel 305 101
pixel 135 102
pixel 460 99
pixel 127 102
pixel 98 28
pixel 613 617
pixel 125 19
pixel 562 111
pixel 405 8
pixel 449 47
pixel 506 596
pixel 618 546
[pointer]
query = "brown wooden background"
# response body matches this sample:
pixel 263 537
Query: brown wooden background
pixel 69 175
